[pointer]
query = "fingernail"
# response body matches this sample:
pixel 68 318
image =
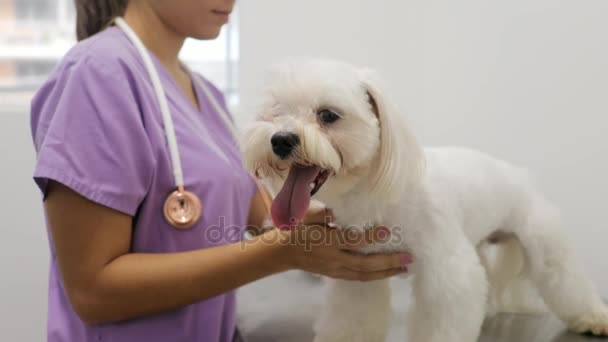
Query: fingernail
pixel 406 259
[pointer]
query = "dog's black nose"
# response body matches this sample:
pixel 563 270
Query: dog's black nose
pixel 283 143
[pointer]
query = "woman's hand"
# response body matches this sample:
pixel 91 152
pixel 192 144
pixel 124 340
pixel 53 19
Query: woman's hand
pixel 318 248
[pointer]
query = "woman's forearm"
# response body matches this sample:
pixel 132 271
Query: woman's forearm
pixel 135 285
pixel 105 282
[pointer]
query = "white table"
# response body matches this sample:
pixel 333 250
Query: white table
pixel 282 309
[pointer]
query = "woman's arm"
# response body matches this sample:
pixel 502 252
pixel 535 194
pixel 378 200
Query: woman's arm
pixel 257 212
pixel 105 282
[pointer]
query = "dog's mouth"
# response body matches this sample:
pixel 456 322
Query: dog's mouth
pixel 292 201
pixel 320 179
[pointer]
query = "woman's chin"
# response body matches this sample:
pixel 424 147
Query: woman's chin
pixel 208 32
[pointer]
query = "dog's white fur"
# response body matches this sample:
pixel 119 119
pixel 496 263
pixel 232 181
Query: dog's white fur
pixel 442 204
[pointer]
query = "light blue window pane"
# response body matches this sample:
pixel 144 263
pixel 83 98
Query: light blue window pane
pixel 36 34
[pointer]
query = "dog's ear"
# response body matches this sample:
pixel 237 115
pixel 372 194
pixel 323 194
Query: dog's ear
pixel 399 160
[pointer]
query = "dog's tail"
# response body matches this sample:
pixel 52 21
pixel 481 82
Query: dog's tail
pixel 511 290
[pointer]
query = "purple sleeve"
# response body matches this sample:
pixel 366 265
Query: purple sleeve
pixel 89 135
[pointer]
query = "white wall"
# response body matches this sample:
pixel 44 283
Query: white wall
pixel 524 80
pixel 24 252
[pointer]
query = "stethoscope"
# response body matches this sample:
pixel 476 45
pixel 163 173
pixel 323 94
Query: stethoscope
pixel 182 208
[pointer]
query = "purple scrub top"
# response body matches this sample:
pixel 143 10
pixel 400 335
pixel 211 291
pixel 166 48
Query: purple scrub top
pixel 97 128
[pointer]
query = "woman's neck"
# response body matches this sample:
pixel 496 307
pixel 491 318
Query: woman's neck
pixel 161 40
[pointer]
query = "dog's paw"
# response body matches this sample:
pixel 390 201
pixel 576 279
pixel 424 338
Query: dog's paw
pixel 595 324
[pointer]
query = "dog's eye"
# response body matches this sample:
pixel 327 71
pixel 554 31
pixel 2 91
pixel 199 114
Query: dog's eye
pixel 328 116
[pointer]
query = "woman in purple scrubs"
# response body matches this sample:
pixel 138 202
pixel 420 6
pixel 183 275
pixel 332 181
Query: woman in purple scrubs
pixel 119 271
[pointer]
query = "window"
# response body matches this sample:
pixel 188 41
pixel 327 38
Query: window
pixel 34 10
pixel 35 34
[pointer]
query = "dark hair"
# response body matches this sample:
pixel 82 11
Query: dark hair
pixel 93 16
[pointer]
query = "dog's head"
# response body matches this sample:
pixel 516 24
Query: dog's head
pixel 325 128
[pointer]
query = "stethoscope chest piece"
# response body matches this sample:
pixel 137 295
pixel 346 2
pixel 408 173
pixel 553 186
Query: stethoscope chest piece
pixel 182 209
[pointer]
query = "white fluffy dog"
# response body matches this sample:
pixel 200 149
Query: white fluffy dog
pixel 325 129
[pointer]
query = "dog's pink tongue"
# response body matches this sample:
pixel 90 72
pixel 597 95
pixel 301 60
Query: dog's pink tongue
pixel 291 203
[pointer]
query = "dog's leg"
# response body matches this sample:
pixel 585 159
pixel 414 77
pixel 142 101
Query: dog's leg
pixel 354 312
pixel 556 272
pixel 449 291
